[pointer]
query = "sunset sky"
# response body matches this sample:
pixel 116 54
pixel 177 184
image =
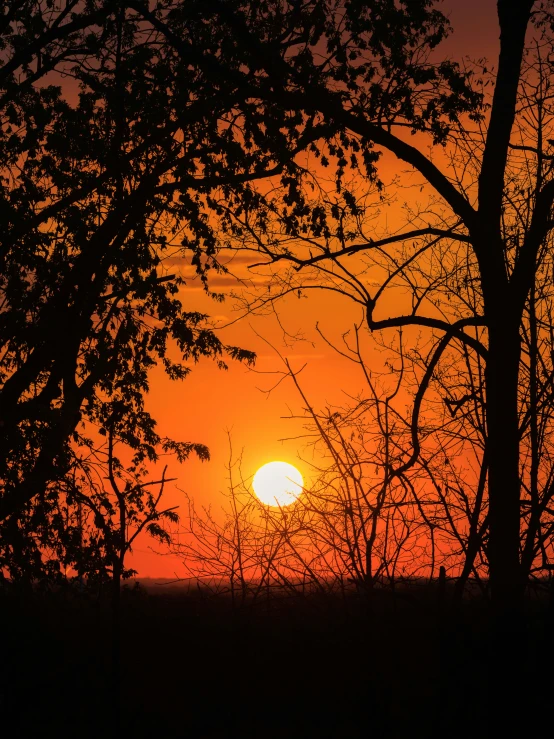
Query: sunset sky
pixel 211 403
pixel 364 506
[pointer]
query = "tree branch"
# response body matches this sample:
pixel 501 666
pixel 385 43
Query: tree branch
pixel 452 330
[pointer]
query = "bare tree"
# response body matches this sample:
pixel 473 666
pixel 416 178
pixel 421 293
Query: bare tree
pixel 492 192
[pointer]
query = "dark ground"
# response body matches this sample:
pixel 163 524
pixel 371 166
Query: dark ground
pixel 309 667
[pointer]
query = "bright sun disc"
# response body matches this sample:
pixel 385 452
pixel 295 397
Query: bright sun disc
pixel 277 483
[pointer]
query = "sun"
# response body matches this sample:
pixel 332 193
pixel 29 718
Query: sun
pixel 277 484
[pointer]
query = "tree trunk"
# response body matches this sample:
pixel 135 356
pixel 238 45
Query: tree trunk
pixel 116 647
pixel 503 453
pixel 507 640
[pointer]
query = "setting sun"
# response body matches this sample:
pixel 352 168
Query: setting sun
pixel 277 483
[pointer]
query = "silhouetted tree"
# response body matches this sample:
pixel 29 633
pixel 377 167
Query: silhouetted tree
pixel 111 169
pixel 368 69
pixel 218 547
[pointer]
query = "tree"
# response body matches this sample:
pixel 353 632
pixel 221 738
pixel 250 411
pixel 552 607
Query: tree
pixel 367 70
pixel 476 209
pixel 106 176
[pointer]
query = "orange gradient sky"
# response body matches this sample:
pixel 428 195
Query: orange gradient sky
pixel 211 403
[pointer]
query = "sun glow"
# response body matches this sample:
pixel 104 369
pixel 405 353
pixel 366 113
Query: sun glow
pixel 277 484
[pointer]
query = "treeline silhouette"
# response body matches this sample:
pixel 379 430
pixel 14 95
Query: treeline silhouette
pixel 140 137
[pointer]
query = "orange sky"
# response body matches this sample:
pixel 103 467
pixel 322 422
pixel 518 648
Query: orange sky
pixel 212 402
